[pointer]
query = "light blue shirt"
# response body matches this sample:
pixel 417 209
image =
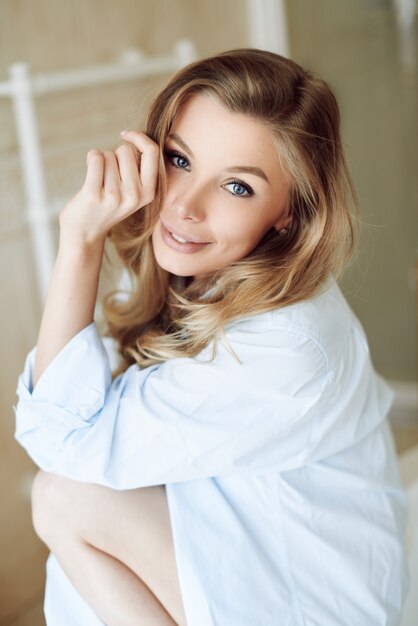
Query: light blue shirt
pixel 281 474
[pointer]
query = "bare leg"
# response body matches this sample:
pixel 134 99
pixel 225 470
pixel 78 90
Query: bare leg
pixel 114 546
pixel 114 592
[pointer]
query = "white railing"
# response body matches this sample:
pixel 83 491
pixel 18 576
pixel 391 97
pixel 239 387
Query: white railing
pixel 267 25
pixel 23 88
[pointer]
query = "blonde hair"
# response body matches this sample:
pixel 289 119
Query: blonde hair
pixel 166 316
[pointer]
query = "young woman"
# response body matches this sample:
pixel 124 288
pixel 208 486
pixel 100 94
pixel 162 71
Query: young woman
pixel 238 469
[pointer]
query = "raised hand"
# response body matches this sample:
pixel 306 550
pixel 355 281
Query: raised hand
pixel 117 184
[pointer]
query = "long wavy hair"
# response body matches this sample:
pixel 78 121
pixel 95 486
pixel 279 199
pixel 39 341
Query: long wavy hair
pixel 165 316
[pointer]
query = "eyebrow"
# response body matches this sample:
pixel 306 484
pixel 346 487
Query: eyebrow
pixel 257 171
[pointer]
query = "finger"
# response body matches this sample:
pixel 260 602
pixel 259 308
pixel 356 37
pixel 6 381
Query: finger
pixel 128 160
pixel 111 177
pixel 149 157
pixel 95 168
pixel 135 151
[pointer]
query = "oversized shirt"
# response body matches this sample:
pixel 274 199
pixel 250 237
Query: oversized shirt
pixel 280 470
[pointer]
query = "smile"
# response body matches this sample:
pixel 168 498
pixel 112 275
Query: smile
pixel 179 243
pixel 179 239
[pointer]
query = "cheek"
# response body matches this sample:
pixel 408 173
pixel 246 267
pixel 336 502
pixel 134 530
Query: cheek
pixel 244 233
pixel 156 239
pixel 237 245
pixel 174 187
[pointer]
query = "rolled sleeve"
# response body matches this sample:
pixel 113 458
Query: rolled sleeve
pixel 69 394
pixel 184 419
pixel 76 380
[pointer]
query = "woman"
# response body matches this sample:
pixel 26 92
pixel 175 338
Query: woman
pixel 239 468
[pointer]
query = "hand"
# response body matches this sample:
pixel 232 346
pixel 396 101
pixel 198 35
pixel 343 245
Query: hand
pixel 116 186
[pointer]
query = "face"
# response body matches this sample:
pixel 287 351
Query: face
pixel 225 189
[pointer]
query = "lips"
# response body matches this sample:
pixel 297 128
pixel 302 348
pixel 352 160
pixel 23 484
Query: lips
pixel 186 238
pixel 190 246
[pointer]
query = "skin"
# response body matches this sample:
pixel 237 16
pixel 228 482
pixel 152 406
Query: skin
pixel 116 547
pixel 202 201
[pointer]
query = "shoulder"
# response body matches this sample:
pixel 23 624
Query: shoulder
pixel 321 325
pixel 327 318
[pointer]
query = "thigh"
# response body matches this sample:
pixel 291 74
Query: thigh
pixel 131 525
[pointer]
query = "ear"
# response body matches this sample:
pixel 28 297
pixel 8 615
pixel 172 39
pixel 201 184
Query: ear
pixel 284 222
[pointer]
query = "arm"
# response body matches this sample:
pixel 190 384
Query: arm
pixel 184 419
pixel 70 301
pixel 114 188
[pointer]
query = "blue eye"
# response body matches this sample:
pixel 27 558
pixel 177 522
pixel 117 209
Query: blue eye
pixel 239 189
pixel 172 154
pixel 179 161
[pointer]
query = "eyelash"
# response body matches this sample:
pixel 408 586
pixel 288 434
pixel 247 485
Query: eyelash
pixel 170 154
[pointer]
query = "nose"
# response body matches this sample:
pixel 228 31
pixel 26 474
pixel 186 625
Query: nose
pixel 188 203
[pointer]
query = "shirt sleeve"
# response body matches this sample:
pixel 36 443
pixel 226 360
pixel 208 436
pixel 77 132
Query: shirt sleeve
pixel 184 419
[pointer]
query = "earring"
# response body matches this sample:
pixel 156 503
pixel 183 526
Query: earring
pixel 283 232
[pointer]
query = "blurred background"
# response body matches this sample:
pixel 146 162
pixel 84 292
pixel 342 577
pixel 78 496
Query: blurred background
pixel 74 73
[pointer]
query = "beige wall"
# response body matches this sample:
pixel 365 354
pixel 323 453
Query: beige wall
pixel 355 46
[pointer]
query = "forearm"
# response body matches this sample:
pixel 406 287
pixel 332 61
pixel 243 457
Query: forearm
pixel 112 191
pixel 70 300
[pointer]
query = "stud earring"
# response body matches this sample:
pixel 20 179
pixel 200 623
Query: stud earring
pixel 283 232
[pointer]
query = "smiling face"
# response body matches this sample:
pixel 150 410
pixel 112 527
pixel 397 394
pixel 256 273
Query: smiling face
pixel 225 189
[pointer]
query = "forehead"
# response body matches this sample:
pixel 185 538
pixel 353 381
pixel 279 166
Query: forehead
pixel 203 121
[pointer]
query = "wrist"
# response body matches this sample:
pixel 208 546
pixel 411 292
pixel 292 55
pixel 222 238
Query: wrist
pixel 81 246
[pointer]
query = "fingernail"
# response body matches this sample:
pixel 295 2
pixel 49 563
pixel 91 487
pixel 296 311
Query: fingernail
pixel 123 132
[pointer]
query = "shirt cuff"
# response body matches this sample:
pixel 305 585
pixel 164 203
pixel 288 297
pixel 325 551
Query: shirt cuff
pixel 76 380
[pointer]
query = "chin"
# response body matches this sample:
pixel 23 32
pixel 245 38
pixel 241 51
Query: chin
pixel 173 268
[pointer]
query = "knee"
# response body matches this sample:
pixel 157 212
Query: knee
pixel 47 496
